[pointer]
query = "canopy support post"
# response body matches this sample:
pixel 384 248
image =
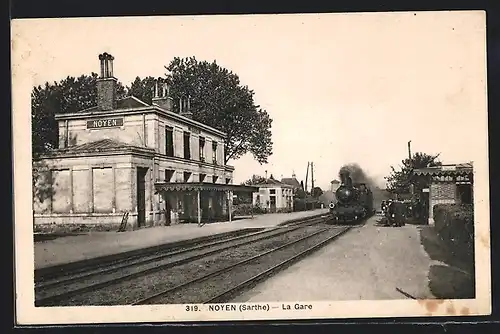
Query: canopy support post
pixel 229 204
pixel 199 207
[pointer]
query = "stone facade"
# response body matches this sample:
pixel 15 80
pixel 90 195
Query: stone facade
pixel 111 156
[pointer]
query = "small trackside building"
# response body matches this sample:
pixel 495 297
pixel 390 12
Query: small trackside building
pixel 125 157
pixel 274 196
pixel 447 184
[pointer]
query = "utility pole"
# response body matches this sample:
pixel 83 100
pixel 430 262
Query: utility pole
pixel 409 150
pixel 411 167
pixel 307 175
pixel 312 178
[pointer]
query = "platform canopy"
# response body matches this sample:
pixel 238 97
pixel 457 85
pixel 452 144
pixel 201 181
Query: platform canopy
pixel 192 186
pixel 458 172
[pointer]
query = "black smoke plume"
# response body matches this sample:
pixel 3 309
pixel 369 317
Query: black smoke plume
pixel 357 174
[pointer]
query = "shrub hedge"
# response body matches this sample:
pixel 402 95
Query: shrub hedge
pixel 304 204
pixel 245 209
pixel 455 226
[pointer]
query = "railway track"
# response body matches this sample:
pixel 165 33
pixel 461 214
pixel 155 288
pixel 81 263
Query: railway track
pixel 223 284
pixel 54 290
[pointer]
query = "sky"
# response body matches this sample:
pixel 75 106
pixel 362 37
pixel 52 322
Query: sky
pixel 340 88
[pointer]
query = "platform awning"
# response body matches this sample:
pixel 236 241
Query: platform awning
pixel 445 170
pixel 192 186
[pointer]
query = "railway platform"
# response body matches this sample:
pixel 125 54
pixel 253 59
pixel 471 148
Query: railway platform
pixel 371 262
pixel 96 244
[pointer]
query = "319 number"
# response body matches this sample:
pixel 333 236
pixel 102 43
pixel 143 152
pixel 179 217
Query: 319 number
pixel 191 308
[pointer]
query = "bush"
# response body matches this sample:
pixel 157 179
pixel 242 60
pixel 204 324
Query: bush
pixel 300 204
pixel 455 225
pixel 246 210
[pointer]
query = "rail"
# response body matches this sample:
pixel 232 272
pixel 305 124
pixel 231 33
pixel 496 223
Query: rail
pixel 41 289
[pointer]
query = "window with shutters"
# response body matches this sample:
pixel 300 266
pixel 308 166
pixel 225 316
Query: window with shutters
pixel 169 141
pixel 187 145
pixel 214 152
pixel 202 149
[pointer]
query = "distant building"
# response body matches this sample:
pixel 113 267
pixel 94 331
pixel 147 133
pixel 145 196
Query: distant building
pixel 334 185
pixel 448 184
pixel 292 181
pixel 274 195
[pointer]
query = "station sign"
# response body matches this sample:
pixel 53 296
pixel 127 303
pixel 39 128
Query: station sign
pixel 105 123
pixel 425 190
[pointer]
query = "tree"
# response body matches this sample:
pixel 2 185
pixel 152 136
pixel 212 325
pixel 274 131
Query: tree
pixel 399 179
pixel 255 179
pixel 67 96
pixel 316 192
pixel 142 89
pixel 219 100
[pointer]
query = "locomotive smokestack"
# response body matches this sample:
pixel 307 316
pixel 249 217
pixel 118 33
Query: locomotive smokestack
pixel 344 176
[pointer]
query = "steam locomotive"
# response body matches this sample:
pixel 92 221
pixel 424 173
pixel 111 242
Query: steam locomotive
pixel 354 201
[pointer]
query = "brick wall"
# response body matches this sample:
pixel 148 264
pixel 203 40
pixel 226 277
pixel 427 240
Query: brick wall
pixel 106 94
pixel 441 193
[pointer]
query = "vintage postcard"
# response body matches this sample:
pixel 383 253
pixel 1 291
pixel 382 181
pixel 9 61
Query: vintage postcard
pixel 250 167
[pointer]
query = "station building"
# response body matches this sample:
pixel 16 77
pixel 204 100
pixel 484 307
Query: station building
pixel 447 184
pixel 124 157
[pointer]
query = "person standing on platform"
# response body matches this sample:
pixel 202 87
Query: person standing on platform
pixel 398 214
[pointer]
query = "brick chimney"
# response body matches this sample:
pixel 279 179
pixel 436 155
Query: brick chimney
pixel 185 107
pixel 161 95
pixel 106 84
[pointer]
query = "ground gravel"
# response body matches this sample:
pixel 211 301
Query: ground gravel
pixel 128 292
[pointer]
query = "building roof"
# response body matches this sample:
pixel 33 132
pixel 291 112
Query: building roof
pixel 291 181
pixel 445 170
pixel 195 186
pixel 100 146
pixel 128 102
pixel 272 182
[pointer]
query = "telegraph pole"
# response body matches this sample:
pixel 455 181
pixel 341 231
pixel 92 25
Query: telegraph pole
pixel 307 176
pixel 412 190
pixel 312 178
pixel 409 150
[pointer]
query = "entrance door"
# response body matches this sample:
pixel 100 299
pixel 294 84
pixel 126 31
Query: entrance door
pixel 141 196
pixel 273 203
pixel 168 211
pixel 424 215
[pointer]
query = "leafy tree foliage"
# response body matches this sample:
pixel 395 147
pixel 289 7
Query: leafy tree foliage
pixel 142 89
pixel 399 179
pixel 316 192
pixel 255 179
pixel 67 96
pixel 218 100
